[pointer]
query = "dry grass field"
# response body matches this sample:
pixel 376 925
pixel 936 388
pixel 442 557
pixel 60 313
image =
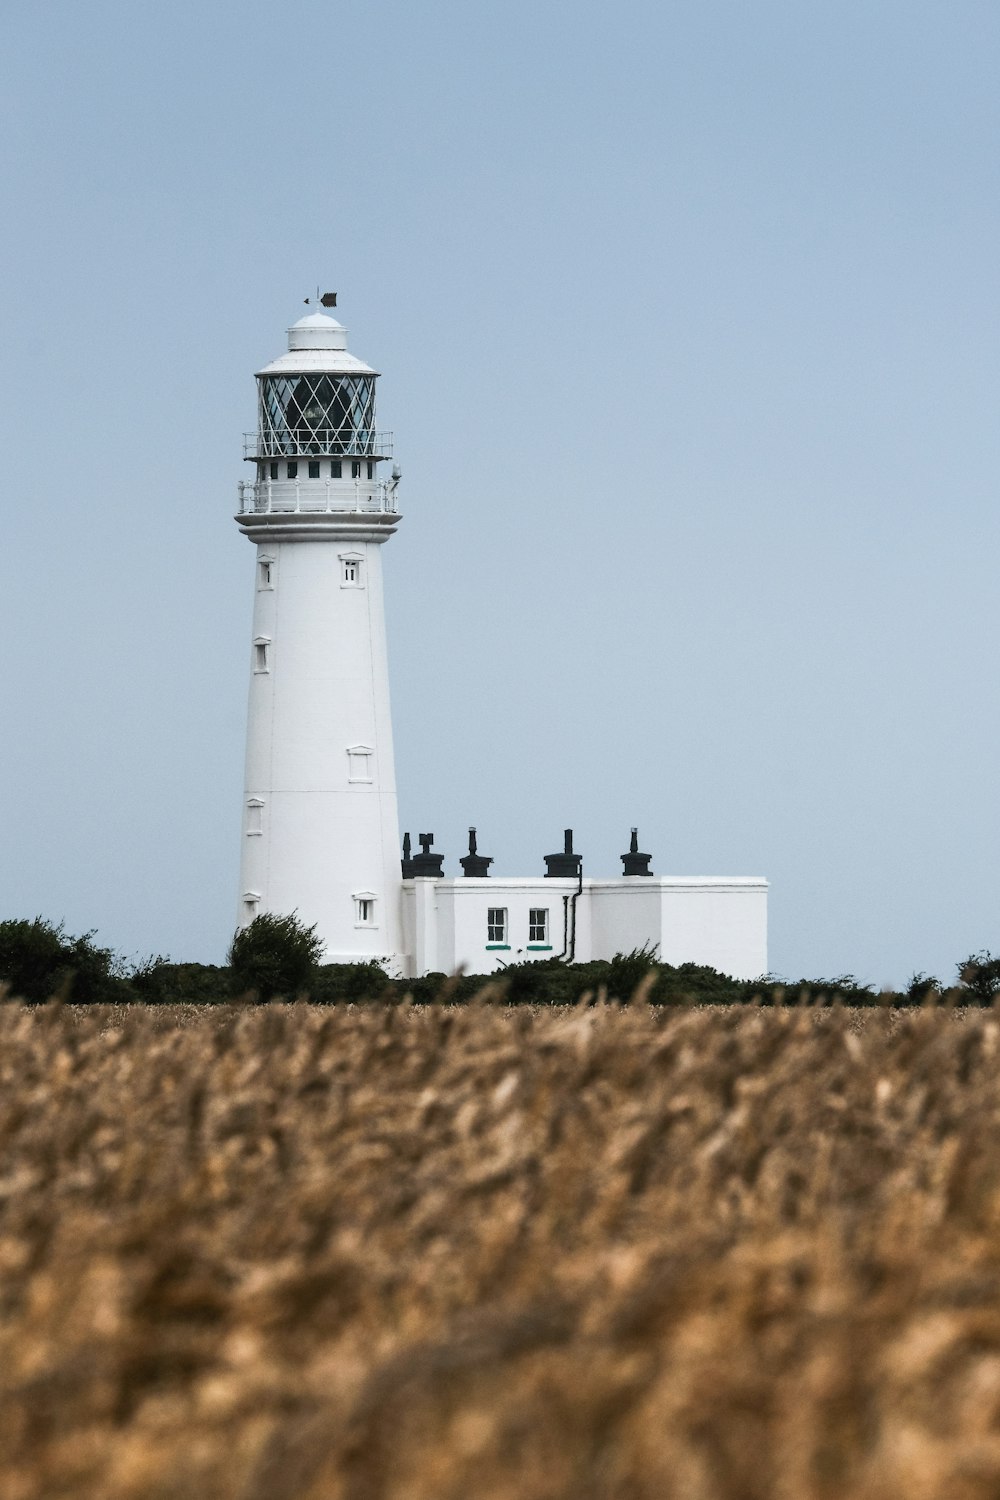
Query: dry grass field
pixel 378 1253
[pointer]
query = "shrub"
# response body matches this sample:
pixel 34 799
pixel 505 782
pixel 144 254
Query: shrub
pixel 38 960
pixel 626 971
pixel 547 981
pixel 160 982
pixel 274 955
pixel 980 977
pixel 334 984
pixel 922 988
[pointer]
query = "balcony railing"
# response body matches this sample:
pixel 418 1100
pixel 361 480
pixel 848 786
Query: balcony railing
pixel 269 497
pixel 327 442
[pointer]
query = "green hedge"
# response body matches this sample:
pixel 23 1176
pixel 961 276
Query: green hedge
pixel 39 960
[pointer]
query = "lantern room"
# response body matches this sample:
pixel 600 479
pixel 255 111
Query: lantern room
pixel 316 446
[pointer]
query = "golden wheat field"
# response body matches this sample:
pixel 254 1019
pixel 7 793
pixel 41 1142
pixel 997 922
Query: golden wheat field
pixel 400 1253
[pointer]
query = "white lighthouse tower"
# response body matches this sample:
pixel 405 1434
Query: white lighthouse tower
pixel 320 826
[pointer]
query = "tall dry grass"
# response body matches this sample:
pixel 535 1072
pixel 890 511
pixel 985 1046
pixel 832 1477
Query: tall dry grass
pixel 476 1254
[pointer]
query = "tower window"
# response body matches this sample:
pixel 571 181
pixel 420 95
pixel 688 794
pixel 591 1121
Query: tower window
pixel 251 905
pixel 371 470
pixel 265 573
pixel 351 570
pixel 292 470
pixel 364 909
pixel 262 654
pixel 496 926
pixel 355 468
pixel 336 468
pixel 255 817
pixel 314 468
pixel 359 763
pixel 274 471
pixel 538 924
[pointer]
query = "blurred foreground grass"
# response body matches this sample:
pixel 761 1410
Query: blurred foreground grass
pixel 398 1253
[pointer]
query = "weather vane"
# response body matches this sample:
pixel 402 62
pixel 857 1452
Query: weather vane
pixel 328 299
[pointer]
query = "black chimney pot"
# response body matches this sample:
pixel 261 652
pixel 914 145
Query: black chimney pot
pixel 425 863
pixel 475 865
pixel 635 863
pixel 566 865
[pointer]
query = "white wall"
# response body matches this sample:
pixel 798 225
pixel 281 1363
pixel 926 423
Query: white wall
pixel 325 837
pixel 720 921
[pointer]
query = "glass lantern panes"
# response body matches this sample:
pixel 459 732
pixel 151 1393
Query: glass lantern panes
pixel 317 414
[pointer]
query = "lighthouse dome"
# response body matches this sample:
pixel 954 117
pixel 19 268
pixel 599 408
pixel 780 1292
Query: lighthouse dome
pixel 317 331
pixel 317 342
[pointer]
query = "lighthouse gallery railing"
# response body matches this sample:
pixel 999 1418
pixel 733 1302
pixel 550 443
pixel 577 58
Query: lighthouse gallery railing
pixel 302 442
pixel 288 497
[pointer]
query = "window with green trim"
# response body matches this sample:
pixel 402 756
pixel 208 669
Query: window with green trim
pixel 538 924
pixel 496 924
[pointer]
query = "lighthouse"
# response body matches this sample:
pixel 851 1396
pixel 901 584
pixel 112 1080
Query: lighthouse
pixel 320 832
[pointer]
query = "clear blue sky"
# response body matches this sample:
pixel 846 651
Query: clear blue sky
pixel 688 320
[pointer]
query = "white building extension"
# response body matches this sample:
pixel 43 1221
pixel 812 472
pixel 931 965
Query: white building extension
pixel 320 825
pixel 481 924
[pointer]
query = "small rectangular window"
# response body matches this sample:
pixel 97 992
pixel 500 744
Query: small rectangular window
pixel 371 470
pixel 538 924
pixel 274 471
pixel 496 925
pixel 351 571
pixel 359 763
pixel 314 468
pixel 336 468
pixel 356 468
pixel 251 903
pixel 255 817
pixel 260 656
pixel 265 578
pixel 364 910
pixel 293 470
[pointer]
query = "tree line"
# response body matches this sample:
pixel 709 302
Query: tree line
pixel 279 956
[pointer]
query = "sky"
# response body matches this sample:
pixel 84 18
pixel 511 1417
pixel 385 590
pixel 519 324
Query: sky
pixel 687 315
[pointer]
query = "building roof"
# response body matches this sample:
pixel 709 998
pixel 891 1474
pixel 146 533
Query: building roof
pixel 317 343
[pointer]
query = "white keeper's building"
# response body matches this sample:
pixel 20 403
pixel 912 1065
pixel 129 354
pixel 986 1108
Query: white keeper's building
pixel 320 822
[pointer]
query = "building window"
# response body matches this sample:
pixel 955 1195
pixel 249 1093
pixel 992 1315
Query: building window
pixel 251 904
pixel 356 468
pixel 359 763
pixel 371 470
pixel 364 909
pixel 255 817
pixel 274 471
pixel 351 570
pixel 262 654
pixel 265 573
pixel 538 924
pixel 293 470
pixel 336 468
pixel 314 468
pixel 496 926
